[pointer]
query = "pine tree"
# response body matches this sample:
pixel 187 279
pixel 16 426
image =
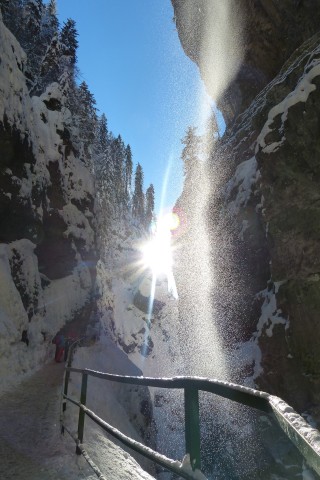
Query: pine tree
pixel 31 38
pixel 67 64
pixel 12 16
pixel 69 89
pixel 86 113
pixel 138 195
pixel 192 157
pixel 191 152
pixel 5 9
pixel 50 23
pixel 33 13
pixel 43 48
pixel 50 66
pixel 149 205
pixel 82 104
pixel 51 18
pixel 118 157
pixel 69 42
pixel 104 172
pixel 128 172
pixel 211 134
pixel 101 149
pixel 102 134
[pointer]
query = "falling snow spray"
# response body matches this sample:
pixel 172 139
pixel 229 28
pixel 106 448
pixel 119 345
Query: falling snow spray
pixel 199 341
pixel 231 446
pixel 220 57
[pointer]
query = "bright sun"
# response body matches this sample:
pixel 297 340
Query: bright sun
pixel 157 254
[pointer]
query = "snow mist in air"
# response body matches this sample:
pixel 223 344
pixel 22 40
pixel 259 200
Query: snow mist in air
pixel 199 340
pixel 221 47
pixel 219 62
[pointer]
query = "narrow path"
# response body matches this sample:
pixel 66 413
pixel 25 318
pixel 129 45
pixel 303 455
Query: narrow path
pixel 31 446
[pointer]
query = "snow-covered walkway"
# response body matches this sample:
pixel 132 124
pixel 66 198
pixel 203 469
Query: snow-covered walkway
pixel 31 447
pixel 30 442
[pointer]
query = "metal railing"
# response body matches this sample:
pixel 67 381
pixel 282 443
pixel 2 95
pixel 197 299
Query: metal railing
pixel 304 437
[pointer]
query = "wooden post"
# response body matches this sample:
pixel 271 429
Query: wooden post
pixel 83 399
pixel 192 426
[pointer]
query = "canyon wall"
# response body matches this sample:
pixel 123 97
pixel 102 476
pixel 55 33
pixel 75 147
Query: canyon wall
pixel 266 195
pixel 47 259
pixel 270 32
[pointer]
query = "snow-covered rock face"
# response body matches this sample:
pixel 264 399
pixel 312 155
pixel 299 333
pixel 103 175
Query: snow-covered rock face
pixel 132 305
pixel 265 224
pixel 47 258
pixel 276 210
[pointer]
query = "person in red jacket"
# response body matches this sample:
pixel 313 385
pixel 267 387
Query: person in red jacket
pixel 60 342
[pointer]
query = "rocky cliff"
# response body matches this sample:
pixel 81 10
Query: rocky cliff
pixel 47 250
pixel 61 216
pixel 270 32
pixel 266 194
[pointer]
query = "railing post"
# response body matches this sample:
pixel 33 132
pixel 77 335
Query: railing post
pixel 67 374
pixel 192 426
pixel 65 390
pixel 83 399
pixel 64 401
pixel 66 384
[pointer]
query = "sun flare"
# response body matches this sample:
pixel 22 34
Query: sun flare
pixel 157 256
pixel 157 253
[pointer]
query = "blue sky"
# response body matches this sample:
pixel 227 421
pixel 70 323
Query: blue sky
pixel 130 56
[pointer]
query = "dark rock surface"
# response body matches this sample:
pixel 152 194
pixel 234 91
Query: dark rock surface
pixel 283 214
pixel 272 30
pixel 265 200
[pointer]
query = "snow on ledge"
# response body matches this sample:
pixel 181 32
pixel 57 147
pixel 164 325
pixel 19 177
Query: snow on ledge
pixel 249 352
pixel 245 176
pixel 299 94
pixel 271 315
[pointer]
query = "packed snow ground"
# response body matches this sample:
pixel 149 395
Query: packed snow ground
pixel 31 446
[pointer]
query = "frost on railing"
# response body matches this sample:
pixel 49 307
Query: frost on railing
pixel 186 467
pixel 303 436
